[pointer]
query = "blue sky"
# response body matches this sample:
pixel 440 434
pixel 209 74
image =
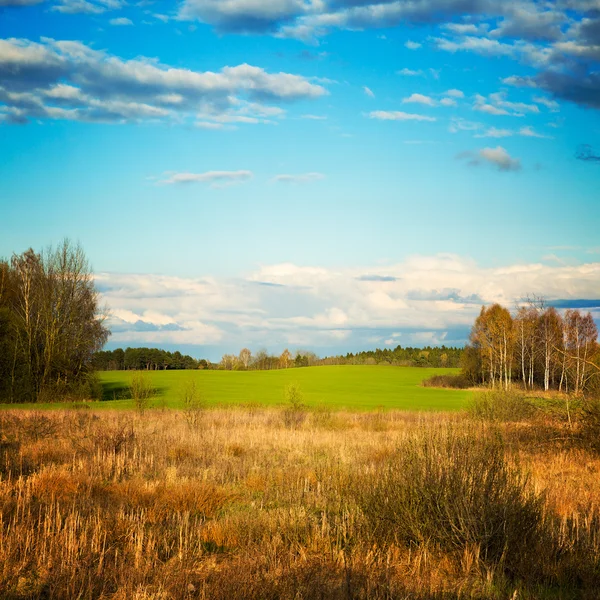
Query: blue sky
pixel 327 174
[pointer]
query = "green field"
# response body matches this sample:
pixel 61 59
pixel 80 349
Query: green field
pixel 350 387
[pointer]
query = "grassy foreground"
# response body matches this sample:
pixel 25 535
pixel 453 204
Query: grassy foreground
pixel 249 503
pixel 336 387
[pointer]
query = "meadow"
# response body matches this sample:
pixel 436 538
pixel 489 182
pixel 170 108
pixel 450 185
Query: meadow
pixel 367 485
pixel 255 503
pixel 332 387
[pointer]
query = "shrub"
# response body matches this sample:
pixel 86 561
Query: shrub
pixel 193 404
pixel 590 424
pixel 501 405
pixel 447 381
pixel 295 412
pixel 141 390
pixel 455 490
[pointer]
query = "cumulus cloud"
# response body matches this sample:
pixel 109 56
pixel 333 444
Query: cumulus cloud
pixel 215 178
pixel 121 21
pixel 559 39
pixel 520 81
pixel 419 99
pixel 104 87
pixel 420 300
pixel 300 178
pixel 497 157
pixel 72 7
pixel 454 93
pixel 498 104
pixel 397 115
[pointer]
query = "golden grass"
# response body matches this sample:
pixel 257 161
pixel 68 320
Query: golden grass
pixel 113 505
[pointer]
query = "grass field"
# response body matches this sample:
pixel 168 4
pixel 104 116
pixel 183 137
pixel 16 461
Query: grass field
pixel 337 387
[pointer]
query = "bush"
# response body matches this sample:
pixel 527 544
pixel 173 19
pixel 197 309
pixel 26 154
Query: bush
pixel 141 390
pixel 501 405
pixel 295 412
pixel 455 490
pixel 590 424
pixel 447 381
pixel 193 404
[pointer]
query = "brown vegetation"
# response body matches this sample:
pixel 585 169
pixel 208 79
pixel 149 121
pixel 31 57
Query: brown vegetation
pixel 242 504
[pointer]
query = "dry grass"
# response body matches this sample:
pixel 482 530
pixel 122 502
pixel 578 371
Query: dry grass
pixel 243 505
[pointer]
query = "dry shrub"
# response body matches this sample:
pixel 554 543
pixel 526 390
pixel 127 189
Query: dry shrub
pixel 295 412
pixel 447 381
pixel 141 391
pixel 193 404
pixel 454 489
pixel 501 406
pixel 590 424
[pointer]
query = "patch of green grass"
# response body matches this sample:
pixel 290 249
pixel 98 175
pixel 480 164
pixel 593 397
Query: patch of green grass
pixel 336 387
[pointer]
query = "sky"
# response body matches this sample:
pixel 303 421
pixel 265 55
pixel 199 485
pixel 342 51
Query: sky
pixel 332 175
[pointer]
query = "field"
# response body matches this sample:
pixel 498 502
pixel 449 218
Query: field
pixel 335 387
pixel 263 504
pixel 332 387
pixel 247 496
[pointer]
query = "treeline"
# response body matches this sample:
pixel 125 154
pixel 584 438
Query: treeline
pixel 401 357
pixel 150 359
pixel 536 347
pixel 50 325
pixel 263 361
pixel 429 356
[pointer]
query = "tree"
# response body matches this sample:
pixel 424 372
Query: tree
pixel 550 333
pixel 245 357
pixel 50 322
pixel 285 360
pixel 493 335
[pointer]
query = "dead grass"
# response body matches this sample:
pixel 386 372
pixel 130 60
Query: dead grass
pixel 239 504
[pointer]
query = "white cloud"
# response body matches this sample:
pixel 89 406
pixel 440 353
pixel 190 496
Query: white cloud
pixel 106 88
pixel 409 72
pixel 412 45
pixel 497 104
pixel 520 81
pixel 448 102
pixel 489 109
pixel 454 93
pixel 215 178
pixel 499 158
pixel 299 178
pixel 396 115
pixel 419 99
pixel 529 132
pixel 121 21
pixel 459 124
pixel 368 92
pixel 493 132
pixel 416 301
pixel 552 105
pixel 72 7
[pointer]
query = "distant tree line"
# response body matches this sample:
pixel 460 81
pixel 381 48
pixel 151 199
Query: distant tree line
pixel 263 361
pixel 50 325
pixel 150 359
pixel 402 357
pixel 429 356
pixel 537 347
